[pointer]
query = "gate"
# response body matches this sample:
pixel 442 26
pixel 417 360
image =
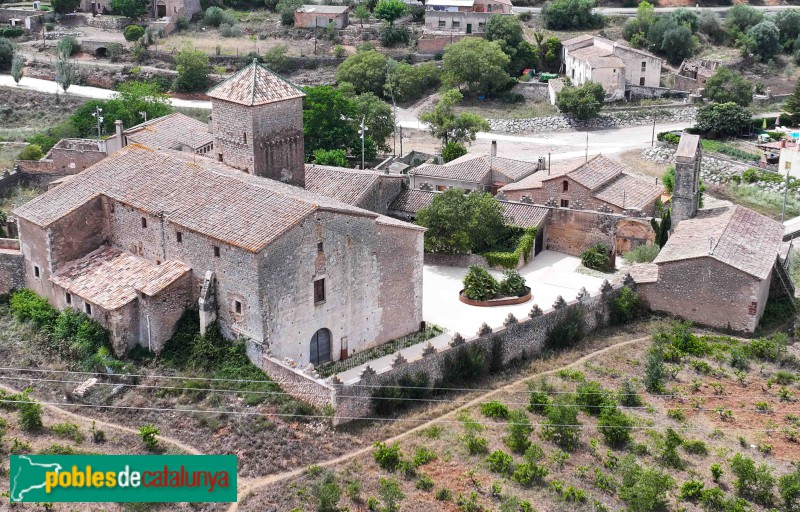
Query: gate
pixel 538 245
pixel 320 347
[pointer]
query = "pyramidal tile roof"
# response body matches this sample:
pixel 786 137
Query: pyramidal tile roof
pixel 255 85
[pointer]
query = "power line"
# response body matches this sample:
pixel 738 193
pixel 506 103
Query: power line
pixel 368 418
pixel 408 399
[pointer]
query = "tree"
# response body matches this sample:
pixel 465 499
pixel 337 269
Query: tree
pixel 728 86
pixel 64 6
pixel 507 31
pixel 722 119
pixel 366 70
pixel 453 150
pixel 582 102
pixel 763 41
pixel 461 223
pixel 476 64
pixel 391 494
pixel 644 490
pixel 133 32
pixel 710 25
pixel 138 97
pixel 447 126
pixel 286 9
pixel 6 53
pixel 406 82
pixel 129 8
pixel 327 119
pixel 31 152
pixel 571 15
pixel 361 13
pixel 792 104
pixel 193 68
pixel 662 228
pixel 17 67
pixel 686 18
pixel 562 425
pixel 275 58
pixel 615 426
pixel 740 18
pixel 148 434
pixel 550 54
pixel 677 44
pixel 335 157
pixel 378 117
pixel 788 23
pixel 789 489
pixel 66 71
pixel 390 10
pixel 635 30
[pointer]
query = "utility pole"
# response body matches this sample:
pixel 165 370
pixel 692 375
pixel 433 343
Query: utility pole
pixel 653 137
pixel 363 133
pixel 587 146
pixel 99 118
pixel 315 35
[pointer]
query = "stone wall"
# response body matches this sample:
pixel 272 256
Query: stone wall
pixel 608 119
pixel 12 265
pixel 432 43
pixel 43 166
pixel 113 23
pixel 573 231
pixel 465 260
pixel 9 180
pixel 532 91
pixel 298 383
pixel 640 92
pixel 518 340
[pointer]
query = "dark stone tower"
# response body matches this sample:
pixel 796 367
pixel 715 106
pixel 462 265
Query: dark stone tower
pixel 686 192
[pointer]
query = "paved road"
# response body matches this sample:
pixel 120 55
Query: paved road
pixel 631 11
pixel 48 86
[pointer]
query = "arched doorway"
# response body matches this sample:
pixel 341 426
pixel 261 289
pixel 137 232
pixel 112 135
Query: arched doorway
pixel 320 347
pixel 101 52
pixel 161 9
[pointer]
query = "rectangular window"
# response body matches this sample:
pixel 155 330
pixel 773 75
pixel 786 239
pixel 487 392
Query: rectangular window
pixel 456 24
pixel 216 251
pixel 442 23
pixel 641 81
pixel 144 222
pixel 219 157
pixel 319 247
pixel 565 203
pixel 179 237
pixel 787 165
pixel 36 271
pixel 68 297
pixel 644 67
pixel 319 290
pixel 88 308
pixel 244 134
pixel 237 307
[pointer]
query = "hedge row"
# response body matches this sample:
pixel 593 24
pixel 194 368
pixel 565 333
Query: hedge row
pixel 510 259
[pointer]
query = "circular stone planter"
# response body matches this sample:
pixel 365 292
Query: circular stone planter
pixel 504 301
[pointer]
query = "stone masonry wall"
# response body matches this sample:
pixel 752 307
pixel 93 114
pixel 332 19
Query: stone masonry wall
pixel 12 265
pixel 574 231
pixel 608 119
pixel 299 384
pixel 532 91
pixel 518 340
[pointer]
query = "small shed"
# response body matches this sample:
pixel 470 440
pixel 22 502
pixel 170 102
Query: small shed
pixel 312 16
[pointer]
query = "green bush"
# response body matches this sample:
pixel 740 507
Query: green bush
pixel 148 434
pixel 392 36
pixel 789 490
pixel 628 395
pixel 68 45
pixel 654 373
pixel 387 457
pixel 479 284
pixel 133 32
pixel 11 32
pixel 519 432
pixel 510 260
pixel 626 307
pixel 755 482
pixel 466 367
pixel 453 150
pixel 644 490
pixel 571 15
pixel 596 257
pixel 692 490
pixel 669 137
pixel 539 401
pixel 513 284
pixel 501 462
pixel 615 426
pixel 30 415
pixel 495 410
pixel 642 254
pixel 569 330
pixel 29 307
pixel 31 152
pixel 401 393
pixel 562 425
pixel 695 447
pixel 593 398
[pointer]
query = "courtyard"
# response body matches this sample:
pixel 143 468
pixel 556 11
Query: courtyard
pixel 549 275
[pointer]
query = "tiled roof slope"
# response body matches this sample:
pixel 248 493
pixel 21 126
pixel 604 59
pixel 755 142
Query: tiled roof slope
pixel 170 132
pixel 514 169
pixel 346 185
pixel 469 167
pixel 255 85
pixel 596 172
pixel 524 215
pixel 194 192
pixel 630 192
pixel 412 201
pixel 736 236
pixel 111 278
pixel 598 57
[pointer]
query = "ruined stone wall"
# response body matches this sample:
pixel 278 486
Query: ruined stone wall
pixel 707 292
pixel 532 91
pixel 158 315
pixel 516 341
pixel 44 166
pixel 386 189
pixel 574 231
pixel 12 265
pixel 73 161
pixel 353 264
pixel 78 233
pixel 298 384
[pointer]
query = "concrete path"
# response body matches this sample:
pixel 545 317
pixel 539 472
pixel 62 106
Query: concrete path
pixel 51 87
pixel 549 275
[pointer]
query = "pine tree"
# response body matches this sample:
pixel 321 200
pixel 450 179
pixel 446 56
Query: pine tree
pixel 793 104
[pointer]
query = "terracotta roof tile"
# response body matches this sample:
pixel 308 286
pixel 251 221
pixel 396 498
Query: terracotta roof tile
pixel 412 201
pixel 524 215
pixel 469 167
pixel 596 172
pixel 598 57
pixel 111 278
pixel 630 192
pixel 736 236
pixel 346 185
pixel 255 85
pixel 191 191
pixel 171 132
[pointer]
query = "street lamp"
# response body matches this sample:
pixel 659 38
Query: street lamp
pixel 99 118
pixel 363 133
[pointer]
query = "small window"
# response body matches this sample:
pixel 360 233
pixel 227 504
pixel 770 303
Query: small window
pixel 216 251
pixel 88 308
pixel 219 157
pixel 319 290
pixel 36 272
pixel 641 81
pixel 68 298
pixel 179 237
pixel 489 7
pixel 456 24
pixel 319 246
pixel 144 222
pixel 237 306
pixel 442 23
pixel 481 26
pixel 174 9
pixel 244 134
pixel 565 186
pixel 644 67
pixel 564 203
pixel 787 165
pixel 158 262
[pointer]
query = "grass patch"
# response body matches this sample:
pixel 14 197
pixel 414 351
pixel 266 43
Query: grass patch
pixel 729 150
pixel 765 203
pixel 496 109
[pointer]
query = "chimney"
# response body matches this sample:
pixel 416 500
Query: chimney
pixel 118 133
pixel 210 124
pixel 493 152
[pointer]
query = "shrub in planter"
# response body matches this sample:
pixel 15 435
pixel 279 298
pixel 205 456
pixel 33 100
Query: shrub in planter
pixel 596 257
pixel 512 284
pixel 479 284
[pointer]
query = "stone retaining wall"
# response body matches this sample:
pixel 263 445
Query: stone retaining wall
pixel 608 119
pixel 9 180
pixel 517 340
pixel 114 23
pixel 299 384
pixel 12 265
pixel 465 260
pixel 532 91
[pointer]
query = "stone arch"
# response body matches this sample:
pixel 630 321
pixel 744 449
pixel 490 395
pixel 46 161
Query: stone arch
pixel 101 52
pixel 320 347
pixel 631 233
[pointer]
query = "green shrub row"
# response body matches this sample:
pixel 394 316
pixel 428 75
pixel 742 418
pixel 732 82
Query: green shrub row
pixel 511 259
pixel 669 137
pixel 11 32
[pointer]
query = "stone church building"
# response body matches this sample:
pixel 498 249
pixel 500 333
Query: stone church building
pixel 146 233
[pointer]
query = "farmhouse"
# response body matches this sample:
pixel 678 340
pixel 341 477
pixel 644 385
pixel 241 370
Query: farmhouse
pixel 313 16
pixel 462 16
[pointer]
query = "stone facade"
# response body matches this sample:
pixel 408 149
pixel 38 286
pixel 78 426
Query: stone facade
pixel 313 16
pixel 573 231
pixel 12 265
pixel 686 190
